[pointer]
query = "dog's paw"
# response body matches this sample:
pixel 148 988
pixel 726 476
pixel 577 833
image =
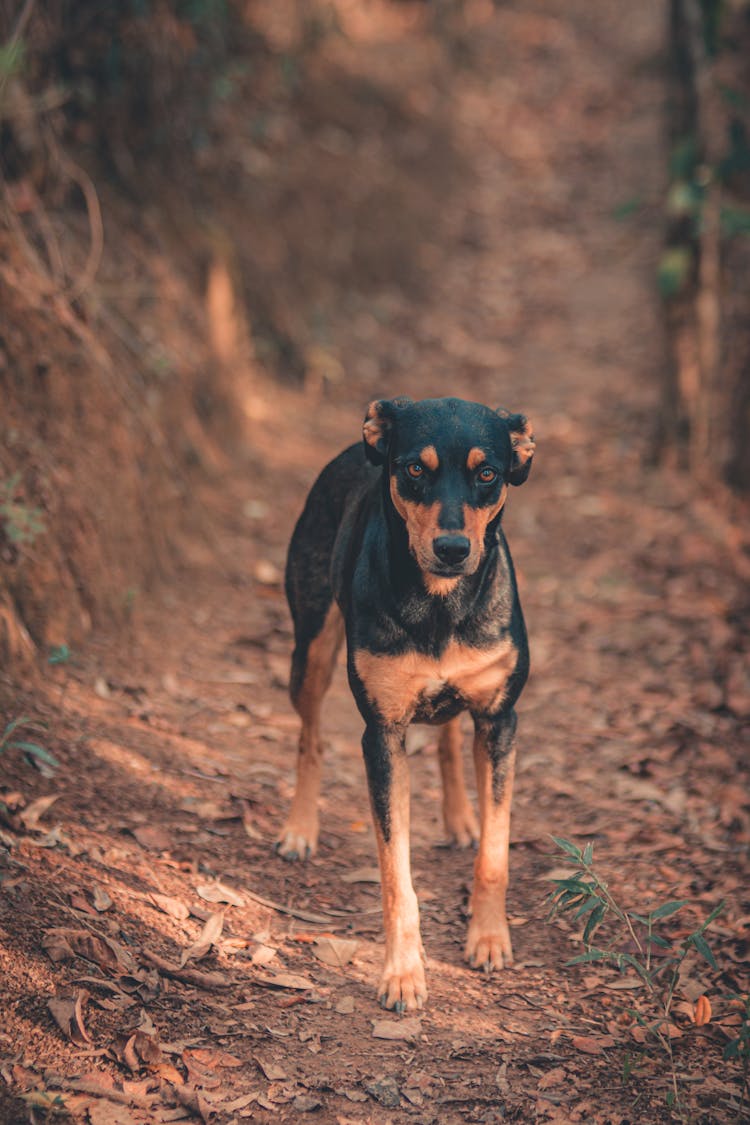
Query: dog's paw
pixel 403 990
pixel 489 951
pixel 462 827
pixel 294 844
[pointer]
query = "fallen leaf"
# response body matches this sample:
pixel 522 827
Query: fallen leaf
pixel 592 1045
pixel 67 1012
pixel 306 1103
pixel 335 951
pixel 362 875
pixel 555 1077
pixel 62 944
pixel 240 1103
pixel 138 1049
pixel 385 1091
pixel 263 954
pixel 32 814
pixel 152 837
pixel 102 901
pixel 171 906
pixel 397 1029
pixel 207 1056
pixel 284 980
pixel 272 1071
pixel 217 892
pixel 79 902
pixel 248 822
pixel 702 1011
pixel 109 1113
pixel 501 1080
pixel 209 935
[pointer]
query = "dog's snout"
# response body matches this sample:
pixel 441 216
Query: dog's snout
pixel 451 549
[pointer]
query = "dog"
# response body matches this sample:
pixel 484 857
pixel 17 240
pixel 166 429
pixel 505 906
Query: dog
pixel 400 549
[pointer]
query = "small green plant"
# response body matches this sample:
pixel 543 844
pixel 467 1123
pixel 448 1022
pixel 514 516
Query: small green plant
pixel 32 751
pixel 21 523
pixel 635 941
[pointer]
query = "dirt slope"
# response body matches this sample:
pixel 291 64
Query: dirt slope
pixel 176 741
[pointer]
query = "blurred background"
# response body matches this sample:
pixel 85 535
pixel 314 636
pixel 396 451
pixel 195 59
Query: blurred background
pixel 208 205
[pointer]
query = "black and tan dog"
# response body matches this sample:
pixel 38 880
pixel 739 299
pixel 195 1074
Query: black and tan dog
pixel 400 548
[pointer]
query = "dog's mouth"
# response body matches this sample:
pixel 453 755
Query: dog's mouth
pixel 441 570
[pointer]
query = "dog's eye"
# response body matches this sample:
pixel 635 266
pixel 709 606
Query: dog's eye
pixel 486 475
pixel 415 470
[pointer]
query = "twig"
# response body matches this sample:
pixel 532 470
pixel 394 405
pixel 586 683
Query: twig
pixel 208 981
pixel 23 19
pixel 80 177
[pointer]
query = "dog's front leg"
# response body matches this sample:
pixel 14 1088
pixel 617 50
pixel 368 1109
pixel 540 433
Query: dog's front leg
pixel 488 942
pixel 403 983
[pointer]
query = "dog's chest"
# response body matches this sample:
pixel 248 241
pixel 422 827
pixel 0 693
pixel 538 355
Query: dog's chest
pixel 413 684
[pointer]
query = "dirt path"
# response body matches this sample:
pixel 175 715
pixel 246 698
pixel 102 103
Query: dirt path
pixel 177 743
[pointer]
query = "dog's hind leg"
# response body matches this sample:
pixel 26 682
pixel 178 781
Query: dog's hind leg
pixel 312 668
pixel 461 826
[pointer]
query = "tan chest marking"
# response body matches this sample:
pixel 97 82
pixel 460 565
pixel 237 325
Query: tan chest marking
pixel 394 684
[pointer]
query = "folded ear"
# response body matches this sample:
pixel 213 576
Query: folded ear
pixel 378 427
pixel 522 443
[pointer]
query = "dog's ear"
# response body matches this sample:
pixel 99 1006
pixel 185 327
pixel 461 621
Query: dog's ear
pixel 522 443
pixel 378 427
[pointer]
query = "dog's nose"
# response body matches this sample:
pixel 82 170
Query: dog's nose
pixel 451 549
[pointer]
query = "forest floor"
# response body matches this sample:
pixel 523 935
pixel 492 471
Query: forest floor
pixel 159 962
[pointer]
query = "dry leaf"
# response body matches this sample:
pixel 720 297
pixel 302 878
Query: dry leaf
pixel 207 1057
pixel 397 1029
pixel 263 954
pixel 67 1012
pixel 247 821
pixel 152 837
pixel 32 814
pixel 362 875
pixel 217 892
pixel 284 980
pixel 102 901
pixel 555 1077
pixel 702 1011
pixel 335 951
pixel 108 1113
pixel 306 1103
pixel 171 906
pixel 62 944
pixel 591 1044
pixel 272 1071
pixel 138 1049
pixel 209 935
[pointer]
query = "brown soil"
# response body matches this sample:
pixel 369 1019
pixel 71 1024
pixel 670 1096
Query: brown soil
pixel 176 741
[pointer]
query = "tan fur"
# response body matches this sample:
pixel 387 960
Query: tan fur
pixel 488 941
pixel 300 833
pixel 475 527
pixel 438 586
pixel 523 442
pixel 423 527
pixel 429 458
pixel 403 979
pixel 458 816
pixel 395 683
pixel 372 429
pixel 476 458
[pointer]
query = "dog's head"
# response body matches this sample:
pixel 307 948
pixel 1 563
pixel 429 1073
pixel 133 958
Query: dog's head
pixel 449 464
